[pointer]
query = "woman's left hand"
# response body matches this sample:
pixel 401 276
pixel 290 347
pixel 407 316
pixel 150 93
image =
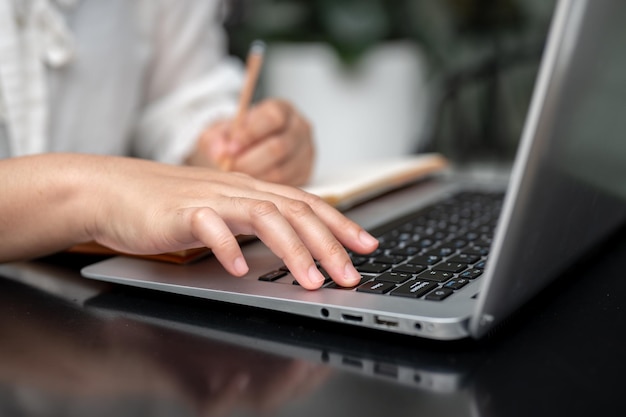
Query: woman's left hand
pixel 274 143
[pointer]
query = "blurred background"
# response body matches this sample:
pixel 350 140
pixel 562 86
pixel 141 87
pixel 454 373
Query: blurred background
pixel 382 78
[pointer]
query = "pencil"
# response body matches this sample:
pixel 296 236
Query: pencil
pixel 254 61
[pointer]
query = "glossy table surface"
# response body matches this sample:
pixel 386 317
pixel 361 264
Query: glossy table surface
pixel 73 347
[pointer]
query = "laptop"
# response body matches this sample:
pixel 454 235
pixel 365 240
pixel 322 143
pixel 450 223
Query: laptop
pixel 460 254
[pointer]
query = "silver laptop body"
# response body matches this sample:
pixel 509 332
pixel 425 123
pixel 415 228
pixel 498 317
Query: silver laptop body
pixel 566 193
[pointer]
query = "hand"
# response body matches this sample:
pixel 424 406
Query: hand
pixel 274 144
pixel 144 207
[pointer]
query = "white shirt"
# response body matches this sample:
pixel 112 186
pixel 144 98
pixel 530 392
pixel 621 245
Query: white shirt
pixel 118 77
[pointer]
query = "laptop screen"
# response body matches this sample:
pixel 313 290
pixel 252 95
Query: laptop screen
pixel 591 139
pixel 567 191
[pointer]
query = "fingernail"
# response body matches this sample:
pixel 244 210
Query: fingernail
pixel 367 239
pixel 240 265
pixel 315 276
pixel 351 275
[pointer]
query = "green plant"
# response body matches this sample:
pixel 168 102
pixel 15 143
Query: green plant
pixel 352 27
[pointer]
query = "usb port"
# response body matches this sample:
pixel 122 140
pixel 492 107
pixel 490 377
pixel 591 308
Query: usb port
pixel 386 370
pixel 385 321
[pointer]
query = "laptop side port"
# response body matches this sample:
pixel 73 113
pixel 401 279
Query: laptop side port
pixel 386 369
pixel 385 321
pixel 351 317
pixel 356 363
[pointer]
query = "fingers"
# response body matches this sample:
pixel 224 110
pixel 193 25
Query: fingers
pixel 289 228
pixel 278 159
pixel 265 119
pixel 264 156
pixel 209 228
pixel 277 231
pixel 275 144
pixel 349 233
pixel 321 242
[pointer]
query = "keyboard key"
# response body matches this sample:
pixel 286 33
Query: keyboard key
pixel 439 294
pixel 388 244
pixel 471 273
pixel 414 289
pixel 373 268
pixel 437 276
pixel 480 265
pixel 424 260
pixel 465 258
pixel 476 250
pixel 405 251
pixel 450 267
pixel 358 260
pixel 441 251
pixel 409 268
pixel 456 283
pixel 376 287
pixel 394 277
pixel 458 243
pixel 273 276
pixel 387 259
pixel 426 243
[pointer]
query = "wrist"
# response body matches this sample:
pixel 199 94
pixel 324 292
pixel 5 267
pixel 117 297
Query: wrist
pixel 48 210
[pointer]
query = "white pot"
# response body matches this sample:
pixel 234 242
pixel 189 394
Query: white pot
pixel 374 110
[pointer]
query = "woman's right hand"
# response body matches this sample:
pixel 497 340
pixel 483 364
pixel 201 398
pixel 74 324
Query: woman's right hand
pixel 143 207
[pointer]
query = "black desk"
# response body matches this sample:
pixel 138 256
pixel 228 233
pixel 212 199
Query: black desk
pixel 71 347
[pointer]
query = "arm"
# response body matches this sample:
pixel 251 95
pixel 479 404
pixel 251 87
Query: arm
pixel 144 207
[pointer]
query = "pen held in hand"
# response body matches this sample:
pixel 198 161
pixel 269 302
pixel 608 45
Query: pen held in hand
pixel 254 62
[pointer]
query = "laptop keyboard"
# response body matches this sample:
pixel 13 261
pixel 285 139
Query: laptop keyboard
pixel 429 254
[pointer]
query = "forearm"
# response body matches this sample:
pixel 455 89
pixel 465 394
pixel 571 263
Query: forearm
pixel 43 207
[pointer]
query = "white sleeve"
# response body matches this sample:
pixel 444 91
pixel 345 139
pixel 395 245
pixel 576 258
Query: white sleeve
pixel 190 82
